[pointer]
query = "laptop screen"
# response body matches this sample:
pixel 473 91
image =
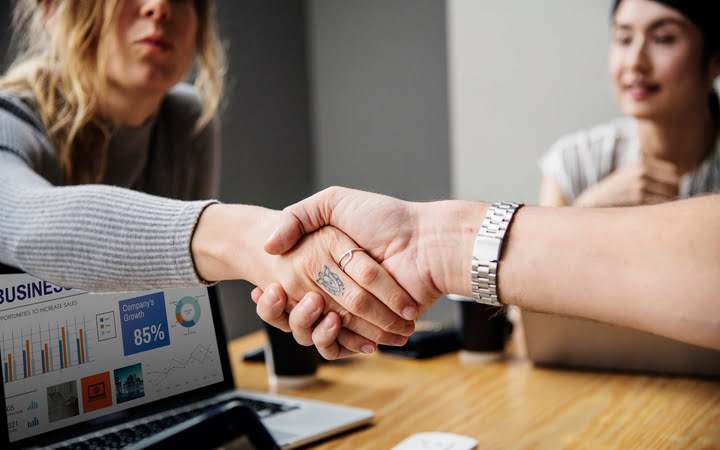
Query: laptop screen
pixel 69 357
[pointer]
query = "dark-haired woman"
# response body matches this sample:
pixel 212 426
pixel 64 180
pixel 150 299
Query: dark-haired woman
pixel 664 59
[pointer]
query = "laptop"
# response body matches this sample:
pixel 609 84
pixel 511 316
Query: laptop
pixel 572 342
pixel 108 370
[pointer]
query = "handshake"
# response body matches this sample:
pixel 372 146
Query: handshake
pixel 344 270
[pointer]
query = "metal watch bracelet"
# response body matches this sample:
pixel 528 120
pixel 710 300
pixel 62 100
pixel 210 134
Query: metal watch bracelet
pixel 486 252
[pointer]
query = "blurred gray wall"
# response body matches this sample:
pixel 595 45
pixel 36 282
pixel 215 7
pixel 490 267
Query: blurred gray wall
pixel 379 89
pixel 521 75
pixel 267 156
pixel 379 92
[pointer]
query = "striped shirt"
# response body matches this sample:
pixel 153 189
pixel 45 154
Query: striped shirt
pixel 584 158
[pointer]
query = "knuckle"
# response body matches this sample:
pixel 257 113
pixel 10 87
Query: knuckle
pixel 368 273
pixel 333 190
pixel 345 317
pixel 358 303
pixel 334 193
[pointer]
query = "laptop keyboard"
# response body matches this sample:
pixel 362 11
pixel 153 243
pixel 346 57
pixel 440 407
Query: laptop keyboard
pixel 133 432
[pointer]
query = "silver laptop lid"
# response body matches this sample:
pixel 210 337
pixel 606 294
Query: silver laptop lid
pixel 573 342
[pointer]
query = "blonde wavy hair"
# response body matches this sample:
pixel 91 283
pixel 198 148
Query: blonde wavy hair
pixel 65 70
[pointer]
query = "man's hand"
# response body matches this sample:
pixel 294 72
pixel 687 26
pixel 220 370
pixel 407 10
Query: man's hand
pixel 387 228
pixel 426 247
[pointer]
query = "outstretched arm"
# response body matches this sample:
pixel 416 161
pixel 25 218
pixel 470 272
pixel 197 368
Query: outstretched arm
pixel 653 268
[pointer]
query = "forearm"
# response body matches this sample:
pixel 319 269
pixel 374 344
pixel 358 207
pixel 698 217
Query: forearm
pixel 654 268
pixel 97 238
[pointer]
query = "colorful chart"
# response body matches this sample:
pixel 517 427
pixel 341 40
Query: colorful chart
pixel 31 352
pixel 187 312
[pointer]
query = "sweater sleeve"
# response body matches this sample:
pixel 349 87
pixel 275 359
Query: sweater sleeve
pixel 94 237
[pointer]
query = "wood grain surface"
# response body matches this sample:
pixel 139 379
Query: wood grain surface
pixel 508 404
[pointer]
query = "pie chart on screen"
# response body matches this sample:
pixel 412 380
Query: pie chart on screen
pixel 187 312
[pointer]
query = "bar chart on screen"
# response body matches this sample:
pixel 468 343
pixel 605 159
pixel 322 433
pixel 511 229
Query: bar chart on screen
pixel 51 347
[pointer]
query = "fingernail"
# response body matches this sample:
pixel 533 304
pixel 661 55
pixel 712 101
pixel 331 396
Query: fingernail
pixel 409 329
pixel 328 325
pixel 410 313
pixel 367 349
pixel 400 341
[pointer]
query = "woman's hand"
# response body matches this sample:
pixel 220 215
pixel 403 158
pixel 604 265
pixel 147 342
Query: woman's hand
pixel 307 323
pixel 227 244
pixel 644 182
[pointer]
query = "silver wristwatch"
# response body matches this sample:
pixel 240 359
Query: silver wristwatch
pixel 486 252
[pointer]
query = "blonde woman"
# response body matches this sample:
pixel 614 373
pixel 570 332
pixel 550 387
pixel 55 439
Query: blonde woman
pixel 664 59
pixel 106 162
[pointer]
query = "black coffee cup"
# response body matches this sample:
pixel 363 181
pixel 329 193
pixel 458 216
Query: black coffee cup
pixel 289 364
pixel 484 329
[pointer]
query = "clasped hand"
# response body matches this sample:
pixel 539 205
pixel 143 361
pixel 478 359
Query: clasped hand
pixel 406 257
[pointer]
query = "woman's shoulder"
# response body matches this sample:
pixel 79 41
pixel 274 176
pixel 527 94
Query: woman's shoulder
pixel 615 135
pixel 181 110
pixel 23 133
pixel 21 106
pixel 183 99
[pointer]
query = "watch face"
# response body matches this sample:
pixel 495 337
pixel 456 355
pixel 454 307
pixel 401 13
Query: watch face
pixel 487 249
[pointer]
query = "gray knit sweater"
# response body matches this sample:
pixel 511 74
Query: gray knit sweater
pixel 131 232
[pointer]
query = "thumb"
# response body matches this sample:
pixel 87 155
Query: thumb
pixel 286 234
pixel 301 218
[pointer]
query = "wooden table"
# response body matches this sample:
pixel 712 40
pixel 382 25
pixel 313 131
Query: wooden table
pixel 508 404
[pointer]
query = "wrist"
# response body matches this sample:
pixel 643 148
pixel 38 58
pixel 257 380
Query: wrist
pixel 227 243
pixel 446 239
